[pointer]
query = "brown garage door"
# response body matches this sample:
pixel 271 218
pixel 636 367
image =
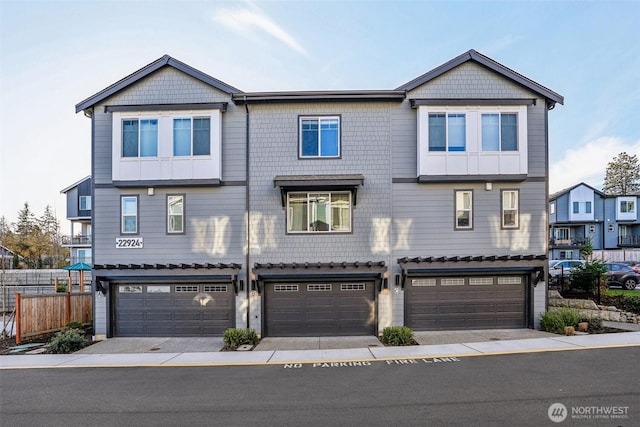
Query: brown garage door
pixel 320 309
pixel 163 310
pixel 450 303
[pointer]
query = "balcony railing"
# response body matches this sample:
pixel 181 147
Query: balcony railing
pixel 76 240
pixel 629 241
pixel 572 242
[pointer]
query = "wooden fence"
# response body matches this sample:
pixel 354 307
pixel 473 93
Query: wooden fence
pixel 38 315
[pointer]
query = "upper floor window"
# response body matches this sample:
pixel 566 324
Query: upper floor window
pixel 510 209
pixel 129 214
pixel 500 132
pixel 576 207
pixel 139 137
pixel 320 136
pixel 587 207
pixel 175 214
pixel 322 212
pixel 464 209
pixel 84 203
pixel 192 136
pixel 447 132
pixel 552 208
pixel 627 206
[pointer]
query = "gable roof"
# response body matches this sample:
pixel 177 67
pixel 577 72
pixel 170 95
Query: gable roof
pixel 557 194
pixel 487 62
pixel 143 72
pixel 75 184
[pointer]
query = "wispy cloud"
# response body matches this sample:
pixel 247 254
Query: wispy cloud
pixel 588 163
pixel 252 20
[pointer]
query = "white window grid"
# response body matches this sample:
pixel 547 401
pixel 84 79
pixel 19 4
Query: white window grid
pixel 128 289
pixel 353 286
pixel 452 281
pixel 423 282
pixel 480 281
pixel 510 280
pixel 285 288
pixel 215 288
pixel 319 287
pixel 186 288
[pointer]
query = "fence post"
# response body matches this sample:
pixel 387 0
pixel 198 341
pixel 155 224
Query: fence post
pixel 18 315
pixel 68 306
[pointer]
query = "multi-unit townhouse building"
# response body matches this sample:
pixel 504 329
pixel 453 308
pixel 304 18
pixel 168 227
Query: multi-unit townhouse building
pixel 78 197
pixel 319 212
pixel 582 215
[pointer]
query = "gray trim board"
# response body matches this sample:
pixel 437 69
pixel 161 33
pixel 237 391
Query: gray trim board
pixel 172 279
pixel 169 183
pixel 222 106
pixel 318 183
pixel 471 178
pixel 460 102
pixel 166 60
pixel 472 55
pixel 319 96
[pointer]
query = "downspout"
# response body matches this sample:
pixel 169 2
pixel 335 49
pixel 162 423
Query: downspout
pixel 248 206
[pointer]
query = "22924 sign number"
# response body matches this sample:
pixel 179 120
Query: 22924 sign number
pixel 129 242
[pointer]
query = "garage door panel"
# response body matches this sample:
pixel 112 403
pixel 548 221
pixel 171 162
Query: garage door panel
pixel 319 309
pixel 465 303
pixel 143 310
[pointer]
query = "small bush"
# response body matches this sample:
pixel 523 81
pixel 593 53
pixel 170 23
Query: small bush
pixel 235 337
pixel 74 324
pixel 67 341
pixel 585 277
pixel 631 303
pixel 554 321
pixel 62 287
pixel 595 325
pixel 398 335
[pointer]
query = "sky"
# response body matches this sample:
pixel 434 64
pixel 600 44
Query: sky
pixel 54 54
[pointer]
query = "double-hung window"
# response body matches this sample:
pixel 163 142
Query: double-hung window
pixel 627 206
pixel 129 214
pixel 464 210
pixel 192 136
pixel 175 214
pixel 140 138
pixel 320 137
pixel 447 132
pixel 499 132
pixel 576 207
pixel 321 212
pixel 510 209
pixel 84 203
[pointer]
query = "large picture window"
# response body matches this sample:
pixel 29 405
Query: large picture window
pixel 129 214
pixel 139 137
pixel 510 216
pixel 447 132
pixel 320 212
pixel 464 209
pixel 320 136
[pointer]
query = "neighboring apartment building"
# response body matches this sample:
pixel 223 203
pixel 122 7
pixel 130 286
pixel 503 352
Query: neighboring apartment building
pixel 581 214
pixel 79 214
pixel 319 213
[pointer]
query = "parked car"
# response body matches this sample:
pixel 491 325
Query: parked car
pixel 633 264
pixel 619 274
pixel 560 269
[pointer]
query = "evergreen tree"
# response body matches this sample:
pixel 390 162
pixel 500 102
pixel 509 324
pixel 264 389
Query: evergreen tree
pixel 623 175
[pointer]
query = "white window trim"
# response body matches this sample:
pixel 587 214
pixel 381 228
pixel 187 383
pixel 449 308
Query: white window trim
pixel 629 215
pixel 472 161
pixel 319 118
pixel 504 209
pixel 122 215
pixel 87 203
pixel 166 166
pixel 330 213
pixel 169 215
pixel 470 210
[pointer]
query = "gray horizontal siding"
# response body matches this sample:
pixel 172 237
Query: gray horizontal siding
pixel 214 227
pixel 428 210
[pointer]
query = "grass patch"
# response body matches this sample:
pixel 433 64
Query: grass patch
pixel 618 292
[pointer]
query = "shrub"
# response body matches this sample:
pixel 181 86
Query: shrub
pixel 67 341
pixel 62 286
pixel 585 277
pixel 631 303
pixel 554 321
pixel 74 324
pixel 398 335
pixel 595 324
pixel 235 337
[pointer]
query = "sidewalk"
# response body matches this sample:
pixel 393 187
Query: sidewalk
pixel 185 351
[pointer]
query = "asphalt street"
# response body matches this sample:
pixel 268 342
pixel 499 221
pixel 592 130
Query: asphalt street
pixel 481 390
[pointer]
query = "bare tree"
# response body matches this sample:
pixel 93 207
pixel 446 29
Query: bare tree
pixel 623 175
